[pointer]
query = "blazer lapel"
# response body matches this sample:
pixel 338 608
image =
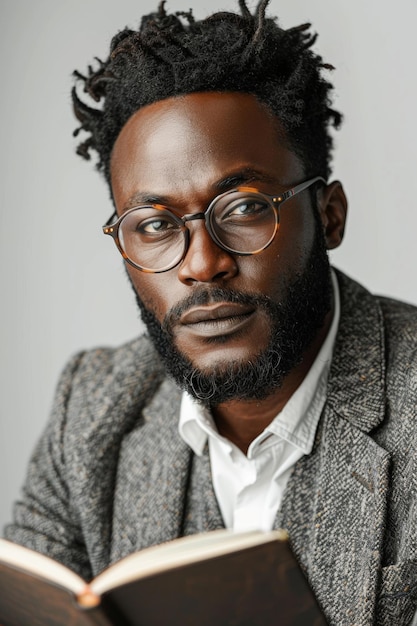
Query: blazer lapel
pixel 334 510
pixel 99 417
pixel 152 478
pixel 334 506
pixel 203 512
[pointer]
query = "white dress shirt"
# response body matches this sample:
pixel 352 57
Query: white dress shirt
pixel 249 488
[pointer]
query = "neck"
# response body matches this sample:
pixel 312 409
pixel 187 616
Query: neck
pixel 241 421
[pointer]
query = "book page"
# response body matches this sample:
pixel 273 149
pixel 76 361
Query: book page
pixel 181 551
pixel 39 565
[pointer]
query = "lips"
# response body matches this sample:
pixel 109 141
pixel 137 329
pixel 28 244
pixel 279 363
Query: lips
pixel 216 319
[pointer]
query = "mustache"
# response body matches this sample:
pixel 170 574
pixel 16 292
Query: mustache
pixel 203 296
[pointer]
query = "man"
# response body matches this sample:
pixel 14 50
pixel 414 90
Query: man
pixel 271 391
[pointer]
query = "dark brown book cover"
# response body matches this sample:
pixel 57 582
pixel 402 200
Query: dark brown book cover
pixel 26 600
pixel 257 584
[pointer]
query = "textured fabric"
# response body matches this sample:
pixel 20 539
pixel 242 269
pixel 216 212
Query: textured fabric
pixel 111 475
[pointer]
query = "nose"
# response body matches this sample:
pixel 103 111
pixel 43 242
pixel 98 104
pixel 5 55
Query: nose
pixel 205 261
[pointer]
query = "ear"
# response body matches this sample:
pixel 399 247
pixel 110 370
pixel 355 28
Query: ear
pixel 332 205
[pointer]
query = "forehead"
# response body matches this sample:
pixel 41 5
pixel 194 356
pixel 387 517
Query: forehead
pixel 199 138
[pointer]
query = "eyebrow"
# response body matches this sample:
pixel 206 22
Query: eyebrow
pixel 232 180
pixel 242 177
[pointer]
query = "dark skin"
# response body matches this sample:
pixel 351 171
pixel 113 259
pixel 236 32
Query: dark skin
pixel 182 152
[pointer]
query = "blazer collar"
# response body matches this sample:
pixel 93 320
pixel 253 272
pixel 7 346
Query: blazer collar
pixel 358 365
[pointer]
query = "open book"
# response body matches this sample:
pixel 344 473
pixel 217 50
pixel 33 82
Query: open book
pixel 214 579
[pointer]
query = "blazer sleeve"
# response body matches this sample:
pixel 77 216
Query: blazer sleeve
pixel 44 519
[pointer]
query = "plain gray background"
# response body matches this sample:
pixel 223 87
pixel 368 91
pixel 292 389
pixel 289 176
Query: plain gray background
pixel 62 283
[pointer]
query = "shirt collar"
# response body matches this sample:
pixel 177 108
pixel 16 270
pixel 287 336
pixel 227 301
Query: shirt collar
pixel 296 423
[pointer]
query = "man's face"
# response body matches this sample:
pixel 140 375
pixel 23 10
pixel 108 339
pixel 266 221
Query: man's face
pixel 218 313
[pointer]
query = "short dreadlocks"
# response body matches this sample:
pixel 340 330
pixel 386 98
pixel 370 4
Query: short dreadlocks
pixel 173 54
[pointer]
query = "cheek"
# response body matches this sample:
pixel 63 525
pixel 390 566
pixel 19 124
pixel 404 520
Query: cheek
pixel 295 239
pixel 155 291
pixel 273 269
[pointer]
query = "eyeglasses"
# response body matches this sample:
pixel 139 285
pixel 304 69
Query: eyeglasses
pixel 242 221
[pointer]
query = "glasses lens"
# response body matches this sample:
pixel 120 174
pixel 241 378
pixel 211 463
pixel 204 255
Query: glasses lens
pixel 244 222
pixel 153 239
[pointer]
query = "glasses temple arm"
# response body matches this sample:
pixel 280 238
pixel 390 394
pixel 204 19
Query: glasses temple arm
pixel 299 188
pixel 111 219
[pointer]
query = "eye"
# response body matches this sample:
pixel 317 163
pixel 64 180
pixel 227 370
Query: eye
pixel 247 209
pixel 155 226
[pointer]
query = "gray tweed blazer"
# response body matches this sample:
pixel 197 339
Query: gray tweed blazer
pixel 111 475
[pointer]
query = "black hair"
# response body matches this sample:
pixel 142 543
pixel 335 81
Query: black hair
pixel 174 54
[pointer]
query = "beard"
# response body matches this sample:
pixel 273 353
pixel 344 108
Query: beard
pixel 294 323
